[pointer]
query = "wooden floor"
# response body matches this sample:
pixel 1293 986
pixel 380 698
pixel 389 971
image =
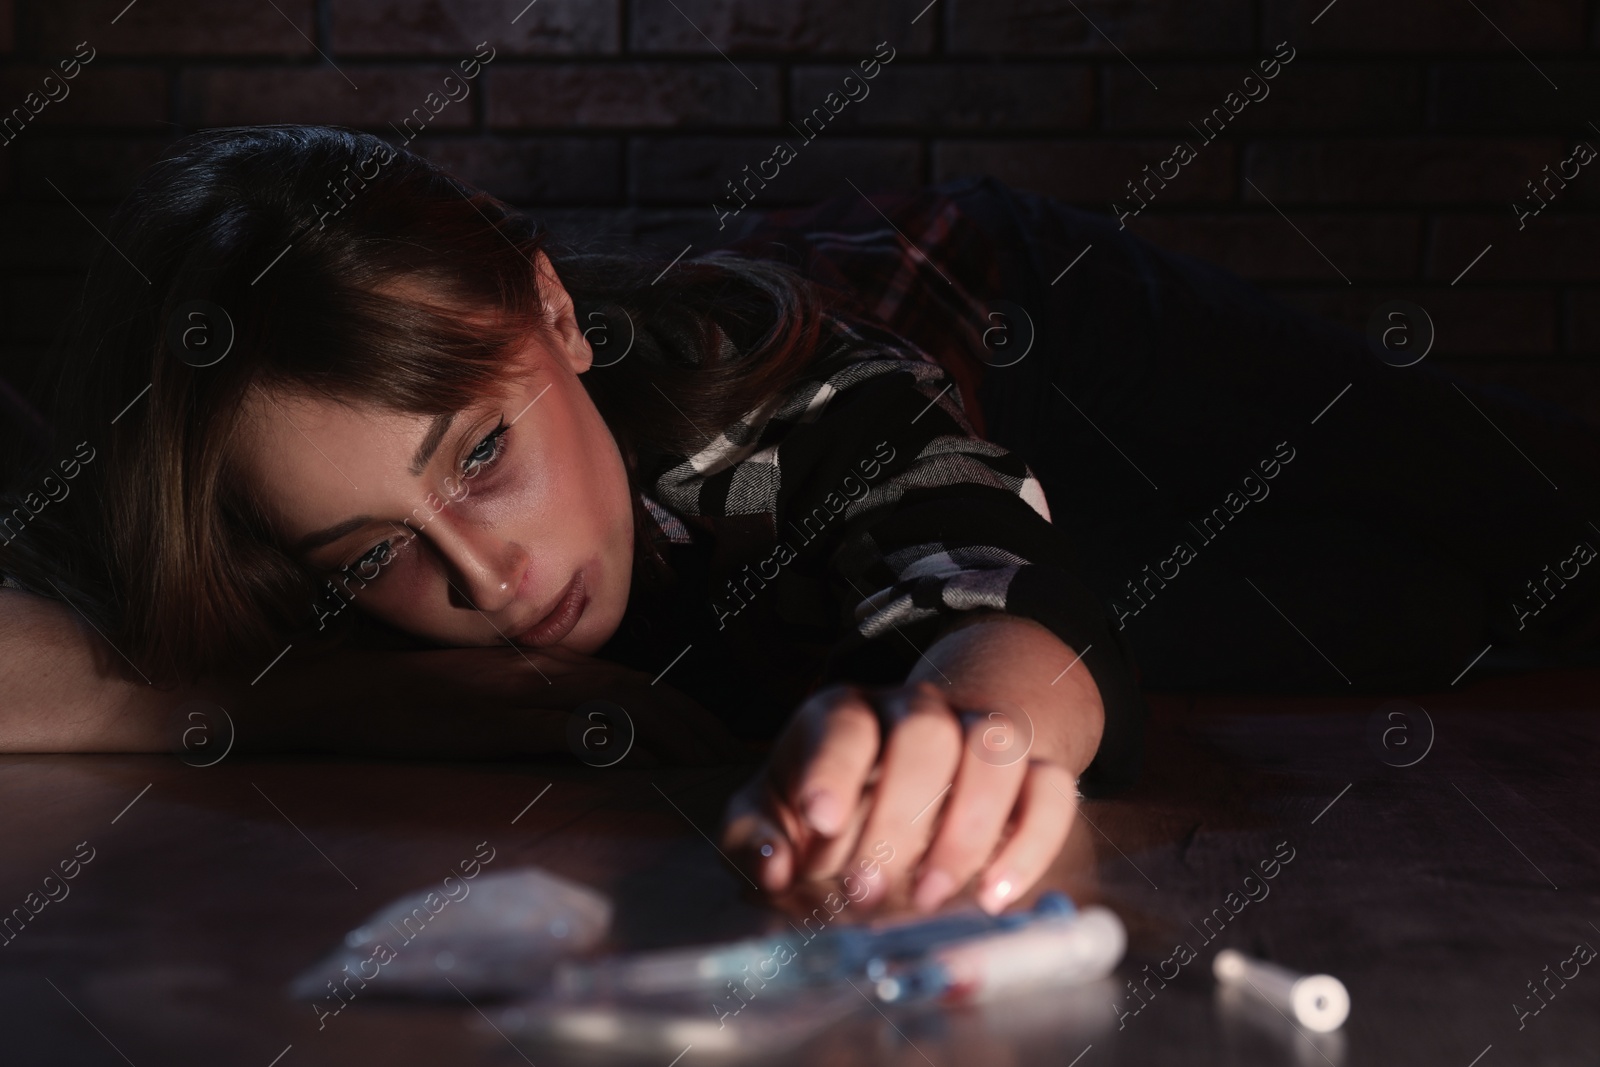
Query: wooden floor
pixel 1436 891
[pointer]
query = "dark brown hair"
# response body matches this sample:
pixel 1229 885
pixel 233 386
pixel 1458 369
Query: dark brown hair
pixel 294 232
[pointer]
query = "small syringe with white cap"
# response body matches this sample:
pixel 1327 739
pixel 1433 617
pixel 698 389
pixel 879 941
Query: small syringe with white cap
pixel 1318 1002
pixel 1062 947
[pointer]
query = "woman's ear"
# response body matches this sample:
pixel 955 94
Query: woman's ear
pixel 569 341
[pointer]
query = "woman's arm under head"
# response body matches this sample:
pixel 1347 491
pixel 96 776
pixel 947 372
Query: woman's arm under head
pixel 67 690
pixel 61 692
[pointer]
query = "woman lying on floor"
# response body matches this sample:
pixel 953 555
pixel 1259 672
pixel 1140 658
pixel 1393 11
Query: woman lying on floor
pixel 390 470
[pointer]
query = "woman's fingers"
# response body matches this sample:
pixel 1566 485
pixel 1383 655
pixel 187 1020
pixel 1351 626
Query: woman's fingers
pixel 831 802
pixel 825 857
pixel 809 793
pixel 919 762
pixel 824 757
pixel 975 814
pixel 756 838
pixel 1046 810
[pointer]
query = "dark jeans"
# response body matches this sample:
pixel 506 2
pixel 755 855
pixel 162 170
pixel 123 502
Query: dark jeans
pixel 1393 547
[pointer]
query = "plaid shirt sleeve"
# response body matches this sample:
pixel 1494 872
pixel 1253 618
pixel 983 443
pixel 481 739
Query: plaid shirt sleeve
pixel 870 483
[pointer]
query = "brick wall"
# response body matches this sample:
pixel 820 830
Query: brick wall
pixel 1379 162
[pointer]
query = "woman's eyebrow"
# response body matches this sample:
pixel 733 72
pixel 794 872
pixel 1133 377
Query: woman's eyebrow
pixel 430 442
pixel 331 534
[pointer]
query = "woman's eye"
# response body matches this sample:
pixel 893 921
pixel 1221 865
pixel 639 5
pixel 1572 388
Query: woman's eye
pixel 487 451
pixel 377 556
pixel 370 565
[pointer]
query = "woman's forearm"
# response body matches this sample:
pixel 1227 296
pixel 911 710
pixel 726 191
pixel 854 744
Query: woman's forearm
pixel 64 692
pixel 1002 663
pixel 65 689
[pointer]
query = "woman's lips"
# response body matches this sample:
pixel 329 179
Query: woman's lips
pixel 562 618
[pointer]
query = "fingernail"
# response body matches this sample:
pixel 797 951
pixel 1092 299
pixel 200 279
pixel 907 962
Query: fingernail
pixel 766 847
pixel 996 894
pixel 932 890
pixel 824 813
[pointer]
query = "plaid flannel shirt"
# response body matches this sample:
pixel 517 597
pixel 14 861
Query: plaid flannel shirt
pixel 834 533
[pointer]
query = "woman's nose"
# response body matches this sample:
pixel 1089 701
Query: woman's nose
pixel 483 567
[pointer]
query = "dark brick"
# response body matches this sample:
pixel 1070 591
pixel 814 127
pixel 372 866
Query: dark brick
pixel 695 170
pixel 1551 247
pixel 82 167
pixel 1049 27
pixel 1264 247
pixel 48 234
pixel 1424 25
pixel 1572 387
pixel 668 230
pixel 953 96
pixel 41 305
pixel 635 94
pixel 1466 322
pixel 173 27
pixel 1093 172
pixel 20 365
pixel 1583 320
pixel 1508 94
pixel 532 170
pixel 1396 170
pixel 1305 95
pixel 216 96
pixel 1396 140
pixel 664 230
pixel 96 96
pixel 843 27
pixel 617 225
pixel 456 27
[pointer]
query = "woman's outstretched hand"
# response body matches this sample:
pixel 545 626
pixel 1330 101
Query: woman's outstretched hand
pixel 970 768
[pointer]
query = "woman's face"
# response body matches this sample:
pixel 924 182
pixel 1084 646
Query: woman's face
pixel 511 520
